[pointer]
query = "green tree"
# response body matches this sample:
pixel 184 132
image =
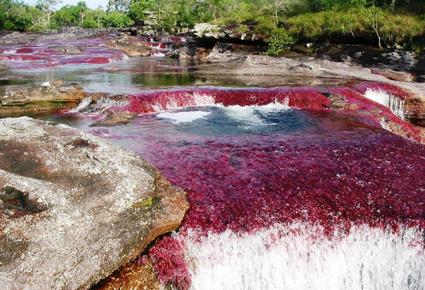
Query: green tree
pixel 47 7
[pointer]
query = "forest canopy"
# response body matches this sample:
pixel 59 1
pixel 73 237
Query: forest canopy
pixel 280 21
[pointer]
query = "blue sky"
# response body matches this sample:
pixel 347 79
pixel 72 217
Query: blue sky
pixel 90 3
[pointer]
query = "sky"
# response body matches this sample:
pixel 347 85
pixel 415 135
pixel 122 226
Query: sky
pixel 90 3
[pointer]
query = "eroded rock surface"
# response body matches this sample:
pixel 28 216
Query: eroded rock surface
pixel 39 98
pixel 73 207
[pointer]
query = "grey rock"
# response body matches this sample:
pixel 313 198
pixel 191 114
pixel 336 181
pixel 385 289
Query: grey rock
pixel 90 206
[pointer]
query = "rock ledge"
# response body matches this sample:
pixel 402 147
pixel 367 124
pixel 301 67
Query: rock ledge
pixel 75 208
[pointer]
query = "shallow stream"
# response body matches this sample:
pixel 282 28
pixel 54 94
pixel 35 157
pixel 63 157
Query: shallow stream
pixel 284 192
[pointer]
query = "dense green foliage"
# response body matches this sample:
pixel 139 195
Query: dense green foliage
pixel 388 28
pixel 16 16
pixel 282 22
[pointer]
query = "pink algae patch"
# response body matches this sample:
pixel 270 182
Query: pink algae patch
pixel 347 171
pixel 149 102
pixel 53 53
pixel 168 261
pixel 24 50
pixel 338 180
pixel 341 170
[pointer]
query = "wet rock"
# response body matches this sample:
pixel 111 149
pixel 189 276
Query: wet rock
pixel 222 52
pixel 222 47
pixel 15 38
pixel 75 208
pixel 394 75
pixel 71 50
pixel 115 119
pixel 403 60
pixel 188 50
pixel 415 111
pixel 42 98
pixel 137 275
pixel 202 53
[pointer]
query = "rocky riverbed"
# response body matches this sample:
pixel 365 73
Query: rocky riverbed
pixel 75 209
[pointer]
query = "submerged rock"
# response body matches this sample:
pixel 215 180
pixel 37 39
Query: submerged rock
pixel 42 98
pixel 73 207
pixel 116 118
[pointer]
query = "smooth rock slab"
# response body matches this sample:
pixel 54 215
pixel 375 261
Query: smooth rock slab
pixel 75 208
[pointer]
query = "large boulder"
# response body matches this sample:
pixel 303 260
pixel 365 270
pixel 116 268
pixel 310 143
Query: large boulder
pixel 75 208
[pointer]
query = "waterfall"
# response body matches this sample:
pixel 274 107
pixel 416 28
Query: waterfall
pixel 394 103
pixel 99 105
pixel 300 257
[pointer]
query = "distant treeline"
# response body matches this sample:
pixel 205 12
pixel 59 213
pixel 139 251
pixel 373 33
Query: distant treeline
pixel 15 15
pixel 283 22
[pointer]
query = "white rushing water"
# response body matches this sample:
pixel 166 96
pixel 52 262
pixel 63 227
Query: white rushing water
pixel 99 105
pixel 394 103
pixel 191 100
pixel 279 258
pixel 251 115
pixel 247 115
pixel 183 117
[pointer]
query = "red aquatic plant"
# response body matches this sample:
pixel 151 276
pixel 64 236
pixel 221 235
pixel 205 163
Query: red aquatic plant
pixel 151 101
pixel 338 171
pixel 52 53
pixel 169 264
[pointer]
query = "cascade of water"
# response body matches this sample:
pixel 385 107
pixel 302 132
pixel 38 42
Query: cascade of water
pixel 99 105
pixel 300 257
pixel 394 103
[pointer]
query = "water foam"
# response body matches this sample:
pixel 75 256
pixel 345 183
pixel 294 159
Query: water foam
pixel 251 115
pixel 301 257
pixel 183 117
pixel 193 100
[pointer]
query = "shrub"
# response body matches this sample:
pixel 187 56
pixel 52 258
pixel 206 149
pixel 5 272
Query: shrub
pixel 279 40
